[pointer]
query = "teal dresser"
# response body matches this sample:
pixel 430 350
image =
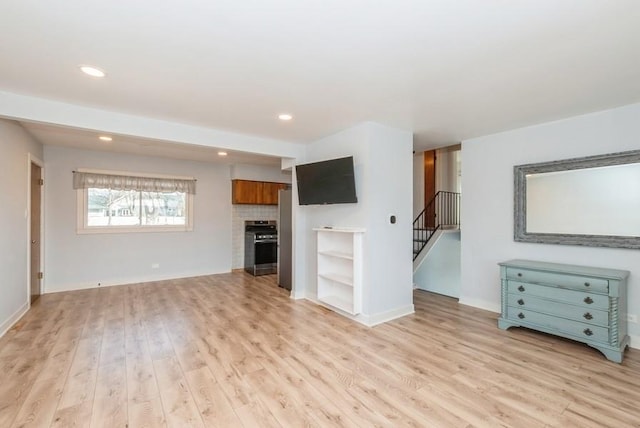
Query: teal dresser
pixel 582 303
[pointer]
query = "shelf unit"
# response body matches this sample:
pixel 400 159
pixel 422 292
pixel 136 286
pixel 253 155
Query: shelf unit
pixel 339 258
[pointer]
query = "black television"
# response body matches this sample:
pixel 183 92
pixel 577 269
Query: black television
pixel 327 182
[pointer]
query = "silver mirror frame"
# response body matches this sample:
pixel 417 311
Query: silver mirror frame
pixel 520 173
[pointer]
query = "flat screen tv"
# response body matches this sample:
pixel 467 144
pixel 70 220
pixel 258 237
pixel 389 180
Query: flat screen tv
pixel 326 182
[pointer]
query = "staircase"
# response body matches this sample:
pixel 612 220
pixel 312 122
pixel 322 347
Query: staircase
pixel 443 211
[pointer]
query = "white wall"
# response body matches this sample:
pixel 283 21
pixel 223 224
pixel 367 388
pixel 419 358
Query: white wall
pixel 487 204
pixel 382 158
pixel 15 145
pixel 439 271
pixel 42 110
pixel 448 169
pixel 390 261
pixel 260 173
pixel 80 261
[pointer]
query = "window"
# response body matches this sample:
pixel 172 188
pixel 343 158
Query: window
pixel 115 202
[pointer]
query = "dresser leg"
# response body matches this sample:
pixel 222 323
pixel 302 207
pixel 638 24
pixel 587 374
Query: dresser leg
pixel 504 324
pixel 612 355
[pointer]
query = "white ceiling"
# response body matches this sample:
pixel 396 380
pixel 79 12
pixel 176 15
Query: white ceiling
pixel 82 139
pixel 445 70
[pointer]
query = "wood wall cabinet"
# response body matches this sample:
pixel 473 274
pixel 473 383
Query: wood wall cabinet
pixel 586 304
pixel 270 193
pixel 255 192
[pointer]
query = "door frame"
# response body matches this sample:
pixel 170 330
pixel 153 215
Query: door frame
pixel 429 158
pixel 31 159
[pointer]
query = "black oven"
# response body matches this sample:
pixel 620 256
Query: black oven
pixel 260 247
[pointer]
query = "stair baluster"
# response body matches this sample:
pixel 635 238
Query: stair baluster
pixel 441 211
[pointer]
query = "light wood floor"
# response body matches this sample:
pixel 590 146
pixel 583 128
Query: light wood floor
pixel 233 350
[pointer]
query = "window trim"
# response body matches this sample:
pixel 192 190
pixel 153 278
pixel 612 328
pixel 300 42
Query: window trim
pixel 82 210
pixel 134 174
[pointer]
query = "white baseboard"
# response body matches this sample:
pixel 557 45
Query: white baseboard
pixel 6 325
pixel 634 341
pixel 124 281
pixel 481 304
pixel 369 320
pixel 299 295
pixel 382 317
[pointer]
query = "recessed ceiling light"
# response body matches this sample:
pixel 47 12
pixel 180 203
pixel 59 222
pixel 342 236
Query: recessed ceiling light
pixel 92 71
pixel 285 116
pixel 105 138
pixel 222 153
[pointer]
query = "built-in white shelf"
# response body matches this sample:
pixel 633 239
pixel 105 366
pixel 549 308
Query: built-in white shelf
pixel 339 257
pixel 342 279
pixel 337 254
pixel 336 302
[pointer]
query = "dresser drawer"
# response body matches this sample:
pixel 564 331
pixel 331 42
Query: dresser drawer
pixel 575 282
pixel 578 298
pixel 561 309
pixel 578 329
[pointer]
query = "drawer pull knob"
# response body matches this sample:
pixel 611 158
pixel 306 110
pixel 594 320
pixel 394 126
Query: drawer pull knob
pixel 588 332
pixel 520 274
pixel 586 284
pixel 521 315
pixel 520 302
pixel 521 288
pixel 588 316
pixel 588 300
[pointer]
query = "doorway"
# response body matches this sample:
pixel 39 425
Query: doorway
pixel 36 183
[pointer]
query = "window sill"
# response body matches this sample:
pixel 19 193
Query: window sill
pixel 149 229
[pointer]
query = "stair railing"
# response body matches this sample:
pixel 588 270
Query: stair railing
pixel 443 210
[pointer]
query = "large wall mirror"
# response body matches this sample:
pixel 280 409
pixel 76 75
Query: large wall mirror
pixel 593 201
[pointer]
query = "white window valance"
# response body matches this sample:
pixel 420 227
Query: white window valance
pixel 85 180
